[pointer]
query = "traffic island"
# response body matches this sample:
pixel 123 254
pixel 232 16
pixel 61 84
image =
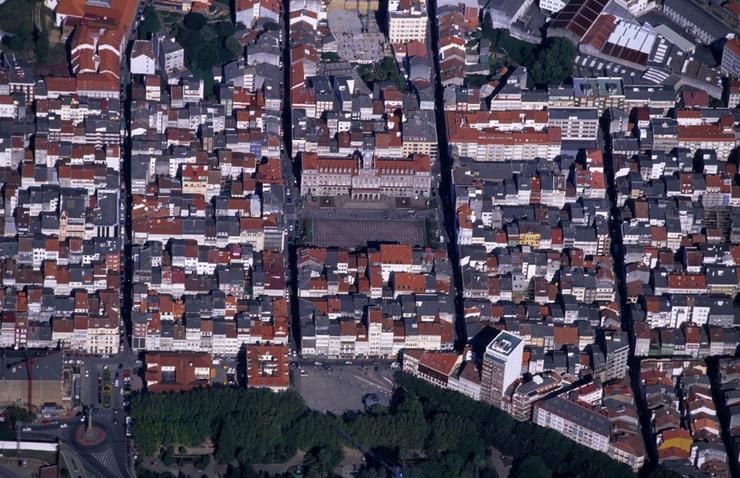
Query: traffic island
pixel 89 436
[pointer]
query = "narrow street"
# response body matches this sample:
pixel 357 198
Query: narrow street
pixel 627 324
pixel 718 397
pixel 446 189
pixel 292 177
pixel 128 263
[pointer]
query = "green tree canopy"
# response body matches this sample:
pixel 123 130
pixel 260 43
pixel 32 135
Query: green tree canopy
pixel 233 45
pixel 207 45
pixel 225 28
pixel 16 19
pixel 41 45
pixel 151 23
pixel 320 461
pixel 195 21
pixel 553 62
pixel 531 467
pixel 428 431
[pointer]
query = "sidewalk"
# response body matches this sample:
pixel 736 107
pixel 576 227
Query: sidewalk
pixel 72 462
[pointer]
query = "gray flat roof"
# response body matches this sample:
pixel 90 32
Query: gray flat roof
pixel 504 343
pixel 583 113
pixel 575 413
pixel 47 364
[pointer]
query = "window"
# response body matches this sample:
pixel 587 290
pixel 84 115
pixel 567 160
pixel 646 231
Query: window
pixel 168 376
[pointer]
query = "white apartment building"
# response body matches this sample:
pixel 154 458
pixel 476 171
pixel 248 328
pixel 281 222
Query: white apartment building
pixel 576 422
pixel 731 56
pixel 407 26
pixel 575 123
pixel 552 6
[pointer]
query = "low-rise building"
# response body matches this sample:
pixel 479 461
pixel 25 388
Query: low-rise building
pixel 730 64
pixel 521 396
pixel 365 177
pixel 32 378
pixel 142 58
pixel 170 53
pixel 267 367
pixel 407 21
pixel 697 21
pixel 577 422
pixel 581 124
pixel 177 371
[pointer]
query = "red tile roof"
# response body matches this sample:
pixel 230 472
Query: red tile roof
pixel 267 366
pixel 440 362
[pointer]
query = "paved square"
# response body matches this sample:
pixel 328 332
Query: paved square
pixel 342 387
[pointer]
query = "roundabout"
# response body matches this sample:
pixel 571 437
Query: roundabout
pixel 89 436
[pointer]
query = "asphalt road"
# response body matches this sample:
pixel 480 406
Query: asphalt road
pixel 7 472
pixel 385 363
pixel 108 459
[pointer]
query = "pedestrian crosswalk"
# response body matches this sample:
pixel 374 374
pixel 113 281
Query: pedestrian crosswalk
pixel 104 414
pixel 54 431
pixel 108 460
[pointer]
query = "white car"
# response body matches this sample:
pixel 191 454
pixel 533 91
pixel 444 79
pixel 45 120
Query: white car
pixel 26 429
pixel 63 425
